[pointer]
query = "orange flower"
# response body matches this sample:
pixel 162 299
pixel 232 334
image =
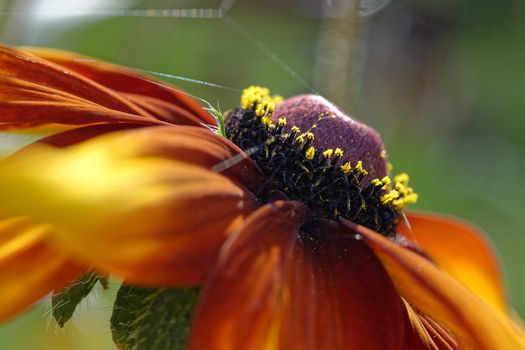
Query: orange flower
pixel 275 232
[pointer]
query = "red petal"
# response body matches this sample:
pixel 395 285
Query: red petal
pixel 126 80
pixel 77 135
pixel 166 111
pixel 462 251
pixel 276 287
pixel 475 323
pixel 27 80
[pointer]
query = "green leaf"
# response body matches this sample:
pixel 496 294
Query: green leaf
pixel 152 319
pixel 65 301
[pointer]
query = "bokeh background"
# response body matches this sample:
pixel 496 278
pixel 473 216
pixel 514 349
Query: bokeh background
pixel 443 82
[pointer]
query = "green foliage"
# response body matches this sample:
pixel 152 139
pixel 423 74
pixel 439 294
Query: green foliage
pixel 65 301
pixel 219 117
pixel 152 319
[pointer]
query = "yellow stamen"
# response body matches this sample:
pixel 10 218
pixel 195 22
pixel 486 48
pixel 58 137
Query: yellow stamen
pixel 328 153
pixel 296 129
pixel 310 153
pixel 402 178
pixel 360 168
pixel 258 99
pixel 376 182
pixel 338 152
pixel 346 167
pixel 282 121
pixel 267 121
pixel 310 135
pixel 389 197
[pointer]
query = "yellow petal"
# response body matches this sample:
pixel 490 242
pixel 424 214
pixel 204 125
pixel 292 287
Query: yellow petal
pixel 132 202
pixel 476 324
pixel 29 268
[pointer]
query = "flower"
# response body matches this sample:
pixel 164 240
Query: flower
pixel 296 236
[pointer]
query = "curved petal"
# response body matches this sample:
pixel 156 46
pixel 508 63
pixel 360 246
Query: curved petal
pixel 34 91
pixel 462 251
pixel 426 334
pixel 168 112
pixel 278 287
pixel 126 80
pixel 81 134
pixel 29 268
pixel 475 323
pixel 140 203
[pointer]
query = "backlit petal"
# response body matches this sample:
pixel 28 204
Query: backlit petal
pixel 34 91
pixel 184 109
pixel 475 323
pixel 169 112
pixel 29 268
pixel 140 203
pixel 462 251
pixel 277 287
pixel 423 333
pixel 81 134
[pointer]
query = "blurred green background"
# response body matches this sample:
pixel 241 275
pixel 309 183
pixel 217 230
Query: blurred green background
pixel 443 82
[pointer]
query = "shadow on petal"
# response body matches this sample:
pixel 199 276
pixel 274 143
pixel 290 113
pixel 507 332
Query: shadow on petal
pixel 277 286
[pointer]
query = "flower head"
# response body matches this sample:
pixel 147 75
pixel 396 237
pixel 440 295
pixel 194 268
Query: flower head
pixel 291 225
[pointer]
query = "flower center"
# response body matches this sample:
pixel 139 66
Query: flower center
pixel 320 178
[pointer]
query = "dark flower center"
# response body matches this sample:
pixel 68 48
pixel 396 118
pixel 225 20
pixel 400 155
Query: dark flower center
pixel 321 179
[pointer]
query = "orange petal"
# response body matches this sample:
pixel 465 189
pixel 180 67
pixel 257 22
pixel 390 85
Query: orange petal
pixel 277 287
pixel 81 134
pixel 126 80
pixel 424 333
pixel 140 203
pixel 29 268
pixel 166 111
pixel 192 145
pixel 475 323
pixel 462 251
pixel 29 83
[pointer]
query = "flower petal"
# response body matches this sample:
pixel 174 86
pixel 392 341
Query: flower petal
pixel 169 112
pixel 463 252
pixel 81 134
pixel 126 80
pixel 140 203
pixel 426 334
pixel 34 91
pixel 277 287
pixel 475 323
pixel 29 268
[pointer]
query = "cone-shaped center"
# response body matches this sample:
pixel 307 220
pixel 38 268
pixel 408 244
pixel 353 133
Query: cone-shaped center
pixel 312 152
pixel 332 128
